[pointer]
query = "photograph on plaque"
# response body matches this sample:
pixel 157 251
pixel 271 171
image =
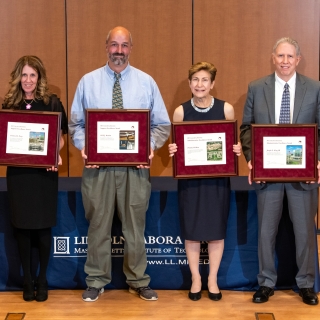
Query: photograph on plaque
pixel 127 140
pixel 117 137
pixel 31 138
pixel 214 151
pixel 204 149
pixel 284 152
pixel 38 142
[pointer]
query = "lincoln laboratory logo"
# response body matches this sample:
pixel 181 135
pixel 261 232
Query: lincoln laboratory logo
pixel 61 245
pixel 69 247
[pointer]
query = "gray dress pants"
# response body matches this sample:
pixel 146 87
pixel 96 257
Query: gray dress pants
pixel 302 206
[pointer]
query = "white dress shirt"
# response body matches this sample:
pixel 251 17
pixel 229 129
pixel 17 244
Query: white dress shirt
pixel 279 87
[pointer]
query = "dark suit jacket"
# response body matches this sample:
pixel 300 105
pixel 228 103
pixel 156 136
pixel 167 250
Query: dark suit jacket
pixel 260 106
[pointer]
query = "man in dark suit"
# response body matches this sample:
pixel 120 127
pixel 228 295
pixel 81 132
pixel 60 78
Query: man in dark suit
pixel 266 101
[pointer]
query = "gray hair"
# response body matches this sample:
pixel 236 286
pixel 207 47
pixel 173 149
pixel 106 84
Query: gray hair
pixel 287 40
pixel 108 36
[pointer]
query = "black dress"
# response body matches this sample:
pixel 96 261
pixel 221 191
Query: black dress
pixel 204 203
pixel 33 192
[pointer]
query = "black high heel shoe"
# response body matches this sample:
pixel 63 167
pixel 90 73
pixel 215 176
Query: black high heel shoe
pixel 28 291
pixel 42 291
pixel 194 296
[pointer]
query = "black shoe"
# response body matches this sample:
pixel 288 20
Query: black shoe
pixel 42 292
pixel 28 291
pixel 195 296
pixel 215 296
pixel 309 296
pixel 263 294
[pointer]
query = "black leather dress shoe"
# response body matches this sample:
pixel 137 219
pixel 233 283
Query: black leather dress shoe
pixel 309 296
pixel 215 296
pixel 195 296
pixel 263 294
pixel 28 291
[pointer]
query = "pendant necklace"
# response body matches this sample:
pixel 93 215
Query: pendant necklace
pixel 28 105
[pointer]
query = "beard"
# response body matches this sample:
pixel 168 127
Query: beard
pixel 118 58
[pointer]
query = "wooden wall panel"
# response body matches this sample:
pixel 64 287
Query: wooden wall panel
pixel 238 36
pixel 162 37
pixel 34 27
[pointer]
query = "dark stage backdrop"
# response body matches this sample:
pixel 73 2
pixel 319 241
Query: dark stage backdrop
pixel 167 262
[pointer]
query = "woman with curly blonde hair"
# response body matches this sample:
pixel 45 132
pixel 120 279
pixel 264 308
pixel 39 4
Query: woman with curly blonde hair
pixel 18 90
pixel 38 187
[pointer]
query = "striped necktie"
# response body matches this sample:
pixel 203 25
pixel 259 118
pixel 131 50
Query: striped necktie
pixel 285 106
pixel 117 102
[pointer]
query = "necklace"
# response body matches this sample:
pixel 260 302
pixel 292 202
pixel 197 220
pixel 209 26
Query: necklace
pixel 28 105
pixel 202 109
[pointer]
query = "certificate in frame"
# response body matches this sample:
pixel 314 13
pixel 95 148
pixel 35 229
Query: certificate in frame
pixel 30 138
pixel 204 149
pixel 284 152
pixel 117 137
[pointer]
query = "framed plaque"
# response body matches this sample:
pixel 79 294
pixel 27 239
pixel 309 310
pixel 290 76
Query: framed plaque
pixel 284 152
pixel 29 138
pixel 204 149
pixel 117 137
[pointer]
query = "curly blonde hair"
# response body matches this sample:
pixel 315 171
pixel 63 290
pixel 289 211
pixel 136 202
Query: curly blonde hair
pixel 15 94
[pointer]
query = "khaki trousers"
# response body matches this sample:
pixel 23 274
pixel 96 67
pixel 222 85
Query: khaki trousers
pixel 126 190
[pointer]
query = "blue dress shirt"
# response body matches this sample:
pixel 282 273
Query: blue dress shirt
pixel 139 91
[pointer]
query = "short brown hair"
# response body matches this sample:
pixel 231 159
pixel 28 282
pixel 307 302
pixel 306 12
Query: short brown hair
pixel 207 66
